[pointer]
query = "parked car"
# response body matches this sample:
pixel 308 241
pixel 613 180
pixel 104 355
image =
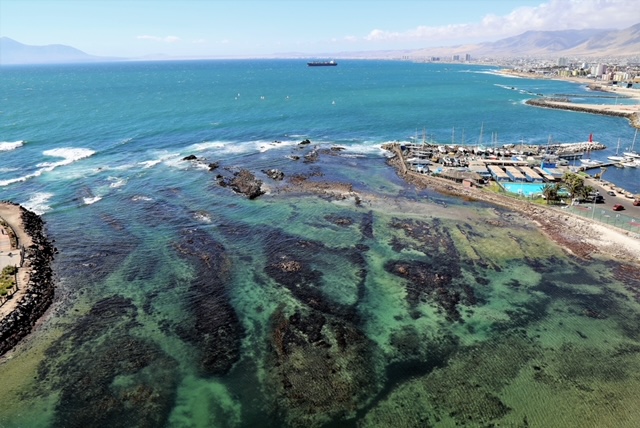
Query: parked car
pixel 611 193
pixel 618 207
pixel 599 199
pixel 636 203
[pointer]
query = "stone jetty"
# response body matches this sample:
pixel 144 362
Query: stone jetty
pixel 631 112
pixel 39 288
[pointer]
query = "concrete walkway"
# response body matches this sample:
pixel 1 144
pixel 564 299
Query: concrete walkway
pixel 8 256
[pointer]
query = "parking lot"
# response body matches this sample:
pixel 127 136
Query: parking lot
pixel 628 219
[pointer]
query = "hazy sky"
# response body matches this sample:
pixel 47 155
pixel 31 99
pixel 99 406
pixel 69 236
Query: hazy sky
pixel 130 28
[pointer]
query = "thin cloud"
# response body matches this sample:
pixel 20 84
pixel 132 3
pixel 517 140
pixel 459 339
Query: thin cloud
pixel 553 15
pixel 167 39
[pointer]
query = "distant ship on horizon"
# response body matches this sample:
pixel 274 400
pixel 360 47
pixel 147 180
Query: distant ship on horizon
pixel 322 63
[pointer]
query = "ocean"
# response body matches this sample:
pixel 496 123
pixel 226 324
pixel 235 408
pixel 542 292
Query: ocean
pixel 180 303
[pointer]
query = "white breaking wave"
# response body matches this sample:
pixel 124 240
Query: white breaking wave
pixel 6 146
pixel 238 148
pixel 202 217
pixel 38 203
pixel 68 155
pixel 117 182
pixel 149 163
pixel 365 148
pixel 207 145
pixel 163 156
pixel 91 200
pixel 141 198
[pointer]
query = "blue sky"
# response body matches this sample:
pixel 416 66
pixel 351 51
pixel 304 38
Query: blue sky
pixel 133 28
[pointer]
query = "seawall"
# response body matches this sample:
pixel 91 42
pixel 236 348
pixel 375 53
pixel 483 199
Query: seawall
pixel 40 285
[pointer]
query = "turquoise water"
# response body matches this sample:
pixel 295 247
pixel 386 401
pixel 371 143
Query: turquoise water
pixel 183 304
pixel 524 189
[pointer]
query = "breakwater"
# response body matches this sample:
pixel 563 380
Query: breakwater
pixel 39 288
pixel 607 110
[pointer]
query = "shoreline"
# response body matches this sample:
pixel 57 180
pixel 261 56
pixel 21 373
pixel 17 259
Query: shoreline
pixel 579 236
pixel 19 314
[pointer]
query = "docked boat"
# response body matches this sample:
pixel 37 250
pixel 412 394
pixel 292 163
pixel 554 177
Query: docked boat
pixel 632 153
pixel 322 63
pixel 617 158
pixel 590 162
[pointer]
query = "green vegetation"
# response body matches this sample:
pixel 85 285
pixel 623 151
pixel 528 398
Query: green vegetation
pixel 551 192
pixel 7 279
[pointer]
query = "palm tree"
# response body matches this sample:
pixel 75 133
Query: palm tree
pixel 573 183
pixel 550 192
pixel 585 192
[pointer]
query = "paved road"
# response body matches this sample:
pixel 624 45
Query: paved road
pixel 610 201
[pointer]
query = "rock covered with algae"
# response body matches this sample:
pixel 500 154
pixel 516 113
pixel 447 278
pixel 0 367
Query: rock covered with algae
pixel 106 376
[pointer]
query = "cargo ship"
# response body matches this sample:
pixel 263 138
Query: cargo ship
pixel 322 63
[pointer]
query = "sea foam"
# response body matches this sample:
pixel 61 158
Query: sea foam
pixel 68 155
pixel 38 202
pixel 6 146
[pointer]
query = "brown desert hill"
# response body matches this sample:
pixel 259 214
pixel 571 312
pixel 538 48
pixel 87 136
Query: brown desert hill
pixel 586 43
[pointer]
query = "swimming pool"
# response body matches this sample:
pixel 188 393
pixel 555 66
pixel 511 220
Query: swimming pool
pixel 524 189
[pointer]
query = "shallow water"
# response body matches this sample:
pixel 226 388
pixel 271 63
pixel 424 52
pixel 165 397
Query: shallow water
pixel 182 304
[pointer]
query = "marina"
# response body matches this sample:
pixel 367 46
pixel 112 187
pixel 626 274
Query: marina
pixel 518 169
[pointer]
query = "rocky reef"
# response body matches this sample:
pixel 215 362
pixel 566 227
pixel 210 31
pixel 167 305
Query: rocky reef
pixel 320 364
pixel 215 330
pixel 437 279
pixel 40 287
pixel 106 375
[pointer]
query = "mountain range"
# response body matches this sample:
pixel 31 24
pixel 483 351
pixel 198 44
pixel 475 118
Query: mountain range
pixel 570 43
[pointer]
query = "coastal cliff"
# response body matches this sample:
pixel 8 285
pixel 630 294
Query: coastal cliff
pixel 39 287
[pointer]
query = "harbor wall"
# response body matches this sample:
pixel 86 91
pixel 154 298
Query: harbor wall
pixel 608 110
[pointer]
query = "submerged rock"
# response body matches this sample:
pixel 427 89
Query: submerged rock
pixel 320 368
pixel 87 364
pixel 439 277
pixel 215 330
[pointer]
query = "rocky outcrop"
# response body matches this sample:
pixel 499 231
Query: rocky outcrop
pixel 243 182
pixel 40 287
pixel 274 174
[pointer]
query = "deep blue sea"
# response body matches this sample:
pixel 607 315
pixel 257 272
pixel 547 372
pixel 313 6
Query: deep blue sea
pixel 181 303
